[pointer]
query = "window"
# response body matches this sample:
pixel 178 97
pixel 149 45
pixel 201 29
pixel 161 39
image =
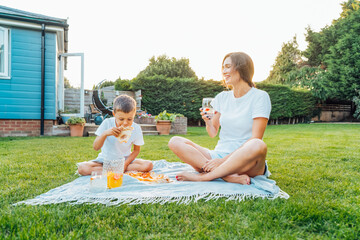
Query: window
pixel 4 52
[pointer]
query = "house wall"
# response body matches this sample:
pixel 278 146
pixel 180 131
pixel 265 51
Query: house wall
pixel 20 96
pixel 23 127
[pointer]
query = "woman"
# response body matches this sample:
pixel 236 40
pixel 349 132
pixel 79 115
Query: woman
pixel 242 114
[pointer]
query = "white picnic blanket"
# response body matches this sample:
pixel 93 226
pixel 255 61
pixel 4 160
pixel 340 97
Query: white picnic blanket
pixel 134 191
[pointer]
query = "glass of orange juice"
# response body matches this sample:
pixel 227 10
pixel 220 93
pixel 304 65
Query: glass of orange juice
pixel 113 169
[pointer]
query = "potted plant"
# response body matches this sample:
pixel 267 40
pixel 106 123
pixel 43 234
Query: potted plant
pixel 76 125
pixel 163 122
pixel 67 113
pixel 142 117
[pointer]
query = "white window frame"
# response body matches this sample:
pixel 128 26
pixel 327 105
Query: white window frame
pixel 6 73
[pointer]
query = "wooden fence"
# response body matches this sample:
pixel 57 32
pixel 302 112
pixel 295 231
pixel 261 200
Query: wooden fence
pixel 72 98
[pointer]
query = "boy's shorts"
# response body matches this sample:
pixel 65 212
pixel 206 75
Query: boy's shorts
pixel 215 154
pixel 98 160
pixel 101 160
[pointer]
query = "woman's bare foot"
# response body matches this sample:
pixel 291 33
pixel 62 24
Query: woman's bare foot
pixel 236 178
pixel 186 176
pixel 195 177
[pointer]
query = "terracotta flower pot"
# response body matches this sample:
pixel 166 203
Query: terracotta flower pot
pixel 163 127
pixel 76 130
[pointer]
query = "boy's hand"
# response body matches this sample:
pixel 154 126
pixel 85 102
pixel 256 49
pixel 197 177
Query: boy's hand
pixel 113 131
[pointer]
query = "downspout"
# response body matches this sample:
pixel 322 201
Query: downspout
pixel 42 79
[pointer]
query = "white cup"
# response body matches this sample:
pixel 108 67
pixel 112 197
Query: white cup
pixel 98 182
pixel 207 108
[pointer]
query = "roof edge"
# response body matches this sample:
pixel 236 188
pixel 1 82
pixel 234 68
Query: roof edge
pixel 15 14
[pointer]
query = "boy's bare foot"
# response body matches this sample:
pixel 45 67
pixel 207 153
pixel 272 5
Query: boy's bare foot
pixel 236 178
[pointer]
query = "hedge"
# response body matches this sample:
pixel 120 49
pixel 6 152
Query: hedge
pixel 184 96
pixel 176 95
pixel 289 103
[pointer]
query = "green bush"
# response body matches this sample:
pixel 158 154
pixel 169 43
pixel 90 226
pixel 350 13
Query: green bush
pixel 107 84
pixel 179 95
pixel 165 116
pixel 289 103
pixel 184 96
pixel 123 85
pixel 76 121
pixel 356 100
pixel 169 67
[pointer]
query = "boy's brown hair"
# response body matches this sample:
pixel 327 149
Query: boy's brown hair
pixel 124 104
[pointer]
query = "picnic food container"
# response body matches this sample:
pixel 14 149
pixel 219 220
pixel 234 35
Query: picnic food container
pixel 113 169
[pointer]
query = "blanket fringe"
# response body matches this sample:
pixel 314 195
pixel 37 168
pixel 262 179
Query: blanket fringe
pixel 155 200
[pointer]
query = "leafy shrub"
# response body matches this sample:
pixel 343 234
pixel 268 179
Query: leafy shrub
pixel 107 84
pixel 123 85
pixel 169 67
pixel 166 116
pixel 103 99
pixel 75 121
pixel 184 96
pixel 289 103
pixel 356 100
pixel 178 95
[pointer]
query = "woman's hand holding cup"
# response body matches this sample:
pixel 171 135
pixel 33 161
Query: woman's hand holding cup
pixel 205 116
pixel 207 111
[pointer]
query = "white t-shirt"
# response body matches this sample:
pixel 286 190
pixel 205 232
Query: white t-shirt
pixel 112 146
pixel 237 116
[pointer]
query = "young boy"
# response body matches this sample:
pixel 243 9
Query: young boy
pixel 107 139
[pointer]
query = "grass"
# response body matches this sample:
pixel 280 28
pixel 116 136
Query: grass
pixel 318 165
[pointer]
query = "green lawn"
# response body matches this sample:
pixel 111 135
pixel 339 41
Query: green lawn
pixel 318 165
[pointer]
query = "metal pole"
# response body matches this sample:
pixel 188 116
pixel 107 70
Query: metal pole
pixel 42 80
pixel 82 113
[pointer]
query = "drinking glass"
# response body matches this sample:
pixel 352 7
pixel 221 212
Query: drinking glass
pixel 97 182
pixel 113 169
pixel 206 106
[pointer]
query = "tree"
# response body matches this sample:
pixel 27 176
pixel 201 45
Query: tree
pixel 336 49
pixel 349 7
pixel 333 59
pixel 343 65
pixel 107 84
pixel 356 100
pixel 123 85
pixel 286 61
pixel 319 43
pixel 169 68
pixel 313 79
pixel 67 83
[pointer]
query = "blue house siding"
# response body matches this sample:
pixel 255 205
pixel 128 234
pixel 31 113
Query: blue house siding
pixel 20 96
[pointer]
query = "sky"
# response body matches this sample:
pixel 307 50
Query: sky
pixel 118 37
